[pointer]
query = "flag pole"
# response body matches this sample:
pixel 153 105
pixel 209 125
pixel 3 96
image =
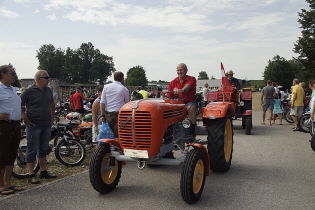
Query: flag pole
pixel 223 76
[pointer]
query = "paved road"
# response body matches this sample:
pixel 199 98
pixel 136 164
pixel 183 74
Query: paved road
pixel 272 169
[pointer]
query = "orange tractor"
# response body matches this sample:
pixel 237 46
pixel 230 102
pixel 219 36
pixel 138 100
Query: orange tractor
pixel 240 102
pixel 149 130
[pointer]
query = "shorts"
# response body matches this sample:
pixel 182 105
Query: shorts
pixel 268 104
pixel 10 134
pixel 297 111
pixel 37 142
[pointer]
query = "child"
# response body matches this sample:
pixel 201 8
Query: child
pixel 277 110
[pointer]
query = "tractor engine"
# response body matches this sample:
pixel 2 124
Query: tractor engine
pixel 146 124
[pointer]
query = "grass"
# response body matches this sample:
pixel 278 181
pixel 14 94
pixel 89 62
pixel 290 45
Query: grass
pixel 55 167
pixel 256 101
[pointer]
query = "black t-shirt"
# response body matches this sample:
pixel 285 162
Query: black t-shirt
pixel 38 104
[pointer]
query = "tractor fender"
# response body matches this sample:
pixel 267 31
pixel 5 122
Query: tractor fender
pixel 247 113
pixel 204 150
pixel 216 110
pixel 113 142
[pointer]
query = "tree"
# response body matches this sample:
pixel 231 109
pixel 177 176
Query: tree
pixel 52 60
pixel 136 76
pixel 305 46
pixel 212 77
pixel 281 71
pixel 203 75
pixel 84 65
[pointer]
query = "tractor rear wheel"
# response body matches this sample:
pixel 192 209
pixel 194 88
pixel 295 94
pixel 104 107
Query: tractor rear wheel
pixel 105 171
pixel 193 176
pixel 220 144
pixel 248 128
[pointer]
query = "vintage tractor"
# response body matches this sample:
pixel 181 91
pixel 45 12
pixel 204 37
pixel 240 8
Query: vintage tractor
pixel 150 130
pixel 240 101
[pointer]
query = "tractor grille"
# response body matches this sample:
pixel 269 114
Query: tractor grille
pixel 172 113
pixel 135 129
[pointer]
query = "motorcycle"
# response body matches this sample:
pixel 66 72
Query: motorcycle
pixel 305 122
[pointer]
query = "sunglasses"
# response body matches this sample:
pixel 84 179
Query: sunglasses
pixel 45 77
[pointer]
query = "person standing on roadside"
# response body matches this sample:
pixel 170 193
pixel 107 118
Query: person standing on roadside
pixel 312 106
pixel 38 110
pixel 77 99
pixel 297 103
pixel 113 97
pixel 10 128
pixel 205 92
pixel 267 100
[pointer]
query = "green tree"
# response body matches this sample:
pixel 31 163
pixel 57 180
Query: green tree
pixel 281 71
pixel 84 65
pixel 212 77
pixel 52 60
pixel 203 75
pixel 136 76
pixel 305 46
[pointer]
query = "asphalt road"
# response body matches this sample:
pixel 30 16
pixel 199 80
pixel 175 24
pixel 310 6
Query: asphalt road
pixel 272 169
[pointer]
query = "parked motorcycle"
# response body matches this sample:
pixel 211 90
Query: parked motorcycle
pixel 305 122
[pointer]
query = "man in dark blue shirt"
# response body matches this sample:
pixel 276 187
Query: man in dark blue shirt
pixel 233 80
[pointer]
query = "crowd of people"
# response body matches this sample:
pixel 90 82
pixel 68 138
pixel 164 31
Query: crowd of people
pixel 272 98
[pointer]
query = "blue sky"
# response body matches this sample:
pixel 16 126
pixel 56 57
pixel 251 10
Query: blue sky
pixel 157 34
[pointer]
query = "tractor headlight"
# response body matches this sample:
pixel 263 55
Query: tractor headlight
pixel 242 103
pixel 186 123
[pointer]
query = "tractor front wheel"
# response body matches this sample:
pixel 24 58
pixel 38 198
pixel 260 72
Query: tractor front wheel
pixel 220 144
pixel 105 170
pixel 193 176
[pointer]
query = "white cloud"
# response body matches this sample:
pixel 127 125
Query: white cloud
pixel 52 17
pixel 36 11
pixel 8 13
pixel 259 21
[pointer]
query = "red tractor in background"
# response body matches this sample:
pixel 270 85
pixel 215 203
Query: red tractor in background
pixel 240 102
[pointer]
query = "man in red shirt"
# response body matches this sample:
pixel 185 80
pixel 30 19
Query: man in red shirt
pixel 77 99
pixel 185 87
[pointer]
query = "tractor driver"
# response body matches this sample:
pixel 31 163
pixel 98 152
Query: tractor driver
pixel 233 80
pixel 184 86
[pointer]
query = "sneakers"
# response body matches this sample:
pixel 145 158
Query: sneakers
pixel 32 179
pixel 47 175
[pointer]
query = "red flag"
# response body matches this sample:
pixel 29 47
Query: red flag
pixel 222 70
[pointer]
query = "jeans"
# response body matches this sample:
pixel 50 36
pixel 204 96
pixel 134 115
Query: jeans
pixel 37 142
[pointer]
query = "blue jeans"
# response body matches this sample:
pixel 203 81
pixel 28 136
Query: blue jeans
pixel 37 142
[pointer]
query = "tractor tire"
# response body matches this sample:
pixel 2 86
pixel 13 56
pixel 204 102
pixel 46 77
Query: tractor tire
pixel 312 141
pixel 193 176
pixel 249 124
pixel 104 170
pixel 243 122
pixel 220 143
